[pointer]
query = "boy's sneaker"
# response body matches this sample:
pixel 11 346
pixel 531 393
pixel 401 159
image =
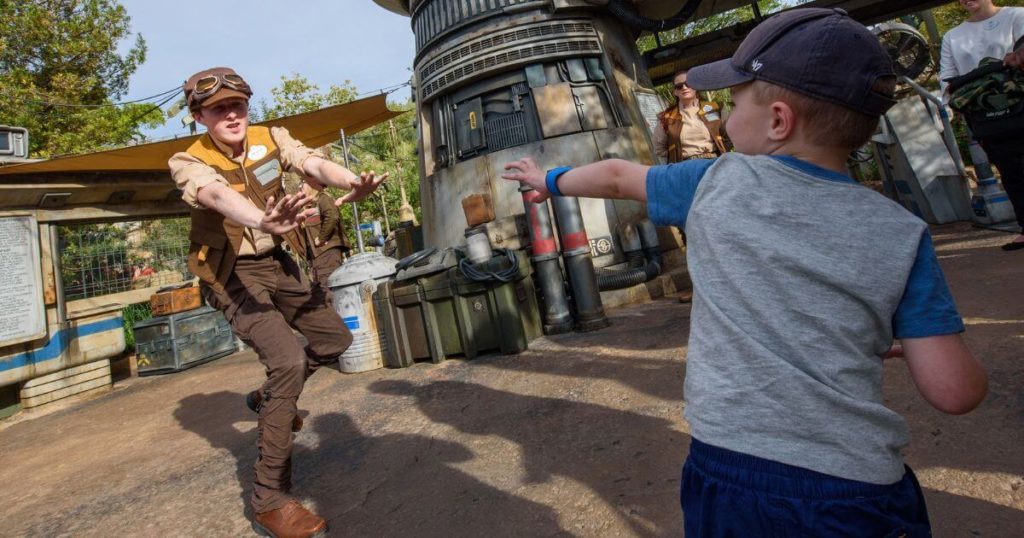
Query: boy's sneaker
pixel 290 521
pixel 254 400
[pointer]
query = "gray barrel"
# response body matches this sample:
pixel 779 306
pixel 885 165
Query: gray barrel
pixel 353 285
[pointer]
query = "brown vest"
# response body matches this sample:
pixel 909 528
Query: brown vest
pixel 215 241
pixel 672 123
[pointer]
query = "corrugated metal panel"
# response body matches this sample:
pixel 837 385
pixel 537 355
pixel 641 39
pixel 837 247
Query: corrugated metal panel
pixel 432 18
pixel 506 58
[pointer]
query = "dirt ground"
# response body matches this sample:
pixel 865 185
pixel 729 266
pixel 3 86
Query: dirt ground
pixel 580 436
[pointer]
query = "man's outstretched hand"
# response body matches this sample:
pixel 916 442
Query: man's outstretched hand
pixel 361 187
pixel 284 215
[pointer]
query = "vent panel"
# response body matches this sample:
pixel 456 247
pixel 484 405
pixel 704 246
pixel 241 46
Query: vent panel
pixel 506 58
pixel 560 29
pixel 431 18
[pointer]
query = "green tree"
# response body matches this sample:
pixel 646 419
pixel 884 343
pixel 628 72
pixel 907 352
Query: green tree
pixel 371 149
pixel 296 95
pixel 710 24
pixel 703 26
pixel 950 15
pixel 374 150
pixel 61 73
pixel 94 260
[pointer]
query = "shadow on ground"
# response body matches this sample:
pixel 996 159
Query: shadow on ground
pixel 397 483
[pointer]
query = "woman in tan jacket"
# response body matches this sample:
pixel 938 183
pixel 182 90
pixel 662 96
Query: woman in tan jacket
pixel 688 129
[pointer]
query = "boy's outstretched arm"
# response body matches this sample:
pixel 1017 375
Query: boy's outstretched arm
pixel 613 178
pixel 946 373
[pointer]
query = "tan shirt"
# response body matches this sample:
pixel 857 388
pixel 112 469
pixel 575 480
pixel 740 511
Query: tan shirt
pixel 694 137
pixel 191 174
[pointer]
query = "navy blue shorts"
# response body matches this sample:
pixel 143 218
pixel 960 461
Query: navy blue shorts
pixel 726 493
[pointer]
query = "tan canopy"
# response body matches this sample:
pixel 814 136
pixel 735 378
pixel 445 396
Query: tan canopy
pixel 313 128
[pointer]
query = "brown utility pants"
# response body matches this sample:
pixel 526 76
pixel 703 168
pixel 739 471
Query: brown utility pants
pixel 265 298
pixel 321 267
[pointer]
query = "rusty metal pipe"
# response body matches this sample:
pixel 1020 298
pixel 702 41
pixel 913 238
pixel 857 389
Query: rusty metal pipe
pixel 544 255
pixel 579 266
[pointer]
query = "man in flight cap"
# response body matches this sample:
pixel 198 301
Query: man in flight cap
pixel 241 221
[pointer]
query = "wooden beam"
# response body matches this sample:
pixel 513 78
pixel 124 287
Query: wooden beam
pixel 118 213
pixel 113 301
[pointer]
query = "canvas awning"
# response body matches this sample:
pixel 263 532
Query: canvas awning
pixel 313 128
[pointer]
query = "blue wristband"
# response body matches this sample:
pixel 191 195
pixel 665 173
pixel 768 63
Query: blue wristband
pixel 551 179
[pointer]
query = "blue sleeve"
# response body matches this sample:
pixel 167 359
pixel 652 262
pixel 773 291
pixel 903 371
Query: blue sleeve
pixel 927 308
pixel 671 188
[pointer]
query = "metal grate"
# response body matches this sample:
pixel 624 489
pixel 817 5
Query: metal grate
pixel 100 259
pixel 506 131
pixel 521 55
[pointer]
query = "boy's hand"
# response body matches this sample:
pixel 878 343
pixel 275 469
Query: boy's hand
pixel 284 215
pixel 361 187
pixel 526 172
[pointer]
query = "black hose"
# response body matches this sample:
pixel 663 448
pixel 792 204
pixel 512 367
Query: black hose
pixel 627 13
pixel 471 272
pixel 640 271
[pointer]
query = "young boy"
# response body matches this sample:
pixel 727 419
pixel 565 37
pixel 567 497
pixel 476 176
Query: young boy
pixel 802 279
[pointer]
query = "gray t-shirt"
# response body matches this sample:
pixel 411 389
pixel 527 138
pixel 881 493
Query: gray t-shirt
pixel 797 277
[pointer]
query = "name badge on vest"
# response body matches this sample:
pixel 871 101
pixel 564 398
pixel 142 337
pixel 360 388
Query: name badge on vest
pixel 268 172
pixel 257 152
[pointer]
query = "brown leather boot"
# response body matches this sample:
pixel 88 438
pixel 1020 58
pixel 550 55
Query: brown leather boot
pixel 290 521
pixel 254 400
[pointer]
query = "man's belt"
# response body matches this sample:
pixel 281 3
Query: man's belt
pixel 705 155
pixel 268 254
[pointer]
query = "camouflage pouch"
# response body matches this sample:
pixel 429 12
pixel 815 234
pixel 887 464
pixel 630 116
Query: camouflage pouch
pixel 991 98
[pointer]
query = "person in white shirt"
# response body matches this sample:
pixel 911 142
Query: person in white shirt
pixel 991 32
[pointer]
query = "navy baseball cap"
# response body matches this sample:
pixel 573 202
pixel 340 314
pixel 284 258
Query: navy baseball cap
pixel 821 53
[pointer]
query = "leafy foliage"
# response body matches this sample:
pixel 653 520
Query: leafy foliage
pixel 703 26
pixel 296 94
pixel 133 314
pixel 371 149
pixel 950 15
pixel 55 53
pixel 374 150
pixel 709 24
pixel 94 260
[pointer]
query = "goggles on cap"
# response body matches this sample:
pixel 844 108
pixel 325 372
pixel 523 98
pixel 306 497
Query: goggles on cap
pixel 210 84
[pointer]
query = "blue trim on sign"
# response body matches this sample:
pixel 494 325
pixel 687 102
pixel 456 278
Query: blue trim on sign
pixel 352 322
pixel 58 344
pixel 998 199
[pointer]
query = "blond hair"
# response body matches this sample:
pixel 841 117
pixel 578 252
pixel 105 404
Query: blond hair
pixel 827 124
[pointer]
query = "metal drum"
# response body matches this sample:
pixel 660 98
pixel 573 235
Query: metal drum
pixel 353 285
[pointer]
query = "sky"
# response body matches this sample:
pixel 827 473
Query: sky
pixel 327 41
